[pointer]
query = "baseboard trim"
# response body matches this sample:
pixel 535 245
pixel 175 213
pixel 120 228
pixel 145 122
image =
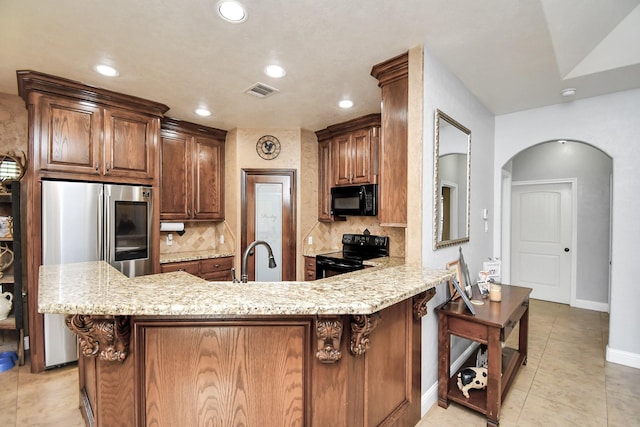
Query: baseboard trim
pixel 430 397
pixel 591 305
pixel 622 357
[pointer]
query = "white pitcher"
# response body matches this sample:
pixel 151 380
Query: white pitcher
pixel 6 302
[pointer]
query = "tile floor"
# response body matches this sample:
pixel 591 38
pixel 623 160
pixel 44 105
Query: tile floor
pixel 566 382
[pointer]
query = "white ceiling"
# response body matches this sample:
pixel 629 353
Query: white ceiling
pixel 512 54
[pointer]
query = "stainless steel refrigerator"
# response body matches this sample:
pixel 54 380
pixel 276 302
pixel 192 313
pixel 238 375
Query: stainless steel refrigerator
pixel 83 221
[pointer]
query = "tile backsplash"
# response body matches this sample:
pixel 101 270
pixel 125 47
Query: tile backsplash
pixel 200 236
pixel 328 236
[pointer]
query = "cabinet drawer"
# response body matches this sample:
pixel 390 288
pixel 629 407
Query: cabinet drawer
pixel 216 265
pixel 191 267
pixel 513 321
pixel 220 276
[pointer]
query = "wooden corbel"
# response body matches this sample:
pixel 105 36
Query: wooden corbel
pixel 329 336
pixel 361 327
pixel 106 337
pixel 420 303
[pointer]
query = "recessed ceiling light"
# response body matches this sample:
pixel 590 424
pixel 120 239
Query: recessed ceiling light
pixel 203 112
pixel 570 91
pixel 345 103
pixel 106 70
pixel 232 11
pixel 274 71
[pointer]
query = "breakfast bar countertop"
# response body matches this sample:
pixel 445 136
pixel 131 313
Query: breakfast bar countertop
pixel 96 288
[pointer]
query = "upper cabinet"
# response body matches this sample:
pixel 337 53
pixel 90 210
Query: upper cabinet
pixel 348 155
pixel 393 78
pixel 191 172
pixel 83 132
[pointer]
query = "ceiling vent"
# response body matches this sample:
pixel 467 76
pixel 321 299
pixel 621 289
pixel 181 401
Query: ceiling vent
pixel 261 90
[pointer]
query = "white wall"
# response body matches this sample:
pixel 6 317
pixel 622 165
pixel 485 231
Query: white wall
pixel 612 124
pixel 444 91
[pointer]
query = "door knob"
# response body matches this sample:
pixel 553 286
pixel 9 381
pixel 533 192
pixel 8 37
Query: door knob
pixel 566 249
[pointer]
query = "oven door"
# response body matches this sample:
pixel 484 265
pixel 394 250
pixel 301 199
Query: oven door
pixel 327 267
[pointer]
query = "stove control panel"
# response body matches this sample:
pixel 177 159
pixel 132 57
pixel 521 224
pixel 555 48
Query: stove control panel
pixel 367 240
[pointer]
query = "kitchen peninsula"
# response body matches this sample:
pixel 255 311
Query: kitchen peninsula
pixel 174 349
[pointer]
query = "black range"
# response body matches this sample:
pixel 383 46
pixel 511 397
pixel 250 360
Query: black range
pixel 356 248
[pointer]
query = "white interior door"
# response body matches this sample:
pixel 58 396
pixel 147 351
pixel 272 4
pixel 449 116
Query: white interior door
pixel 541 252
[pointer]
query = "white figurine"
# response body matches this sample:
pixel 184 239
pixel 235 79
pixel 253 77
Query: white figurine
pixel 472 378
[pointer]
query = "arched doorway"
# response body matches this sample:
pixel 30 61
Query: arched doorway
pixel 588 171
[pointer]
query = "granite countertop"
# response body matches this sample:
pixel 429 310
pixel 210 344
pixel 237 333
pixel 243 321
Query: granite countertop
pixel 96 288
pixel 192 256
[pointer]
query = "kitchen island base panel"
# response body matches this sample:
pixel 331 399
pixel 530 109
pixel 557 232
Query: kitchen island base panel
pixel 256 371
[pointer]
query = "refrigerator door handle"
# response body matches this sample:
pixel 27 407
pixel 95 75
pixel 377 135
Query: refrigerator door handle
pixel 100 223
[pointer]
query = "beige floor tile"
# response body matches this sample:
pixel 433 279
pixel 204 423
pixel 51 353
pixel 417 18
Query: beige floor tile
pixel 454 415
pixel 623 409
pixel 538 411
pixel 586 394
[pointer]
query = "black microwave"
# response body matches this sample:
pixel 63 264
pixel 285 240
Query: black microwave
pixel 356 200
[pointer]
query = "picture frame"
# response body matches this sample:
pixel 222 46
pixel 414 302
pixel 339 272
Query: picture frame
pixel 455 267
pixel 464 296
pixel 466 282
pixel 492 268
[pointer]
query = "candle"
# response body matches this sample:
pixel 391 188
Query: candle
pixel 495 292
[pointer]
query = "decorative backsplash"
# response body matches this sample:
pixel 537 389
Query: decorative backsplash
pixel 200 236
pixel 328 236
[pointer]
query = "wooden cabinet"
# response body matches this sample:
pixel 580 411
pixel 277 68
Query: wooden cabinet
pixel 103 143
pixel 211 269
pixel 309 268
pixel 11 280
pixel 347 155
pixel 84 133
pixel 191 172
pixel 393 77
pixel 490 326
pixel 324 181
pixel 353 157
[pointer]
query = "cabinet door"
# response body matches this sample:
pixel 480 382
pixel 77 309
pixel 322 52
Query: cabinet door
pixel 324 181
pixel 341 151
pixel 175 179
pixel 129 144
pixel 361 156
pixel 69 136
pixel 208 179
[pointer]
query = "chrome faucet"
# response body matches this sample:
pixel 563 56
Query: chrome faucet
pixel 244 277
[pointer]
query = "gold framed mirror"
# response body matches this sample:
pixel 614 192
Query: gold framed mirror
pixel 452 179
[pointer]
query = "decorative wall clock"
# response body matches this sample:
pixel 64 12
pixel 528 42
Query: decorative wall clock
pixel 268 147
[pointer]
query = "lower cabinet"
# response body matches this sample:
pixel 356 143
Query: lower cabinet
pixel 309 268
pixel 211 269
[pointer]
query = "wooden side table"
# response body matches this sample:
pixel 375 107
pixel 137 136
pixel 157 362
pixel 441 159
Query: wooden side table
pixel 491 325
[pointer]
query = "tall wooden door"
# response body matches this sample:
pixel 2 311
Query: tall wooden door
pixel 268 213
pixel 541 254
